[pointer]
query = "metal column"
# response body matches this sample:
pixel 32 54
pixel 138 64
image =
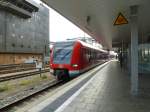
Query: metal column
pixel 134 50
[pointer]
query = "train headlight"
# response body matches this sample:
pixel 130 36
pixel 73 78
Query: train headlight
pixel 75 65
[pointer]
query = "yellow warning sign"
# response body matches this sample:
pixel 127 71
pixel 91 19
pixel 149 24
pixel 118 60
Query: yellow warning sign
pixel 120 20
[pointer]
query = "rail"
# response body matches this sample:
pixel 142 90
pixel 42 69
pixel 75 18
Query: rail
pixel 28 95
pixel 21 75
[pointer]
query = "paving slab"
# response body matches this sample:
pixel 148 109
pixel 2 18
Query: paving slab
pixel 109 91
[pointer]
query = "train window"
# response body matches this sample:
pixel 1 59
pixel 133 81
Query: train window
pixel 63 52
pixel 86 54
pixel 93 54
pixel 90 55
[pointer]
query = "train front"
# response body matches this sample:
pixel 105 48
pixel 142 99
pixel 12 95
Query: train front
pixel 61 58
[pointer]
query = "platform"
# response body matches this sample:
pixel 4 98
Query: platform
pixel 109 91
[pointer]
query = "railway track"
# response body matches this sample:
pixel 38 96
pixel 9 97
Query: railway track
pixel 11 68
pixel 25 95
pixel 21 75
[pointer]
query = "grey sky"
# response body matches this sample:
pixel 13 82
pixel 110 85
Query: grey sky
pixel 61 28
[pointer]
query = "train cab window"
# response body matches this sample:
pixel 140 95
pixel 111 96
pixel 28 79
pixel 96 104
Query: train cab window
pixel 63 52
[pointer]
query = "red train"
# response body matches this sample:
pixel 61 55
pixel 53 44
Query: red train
pixel 70 58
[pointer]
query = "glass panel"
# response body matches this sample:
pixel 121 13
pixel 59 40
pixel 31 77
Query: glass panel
pixel 62 53
pixel 144 58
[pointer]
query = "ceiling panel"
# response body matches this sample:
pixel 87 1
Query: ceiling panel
pixel 96 17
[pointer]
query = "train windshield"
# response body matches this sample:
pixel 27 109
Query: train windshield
pixel 62 52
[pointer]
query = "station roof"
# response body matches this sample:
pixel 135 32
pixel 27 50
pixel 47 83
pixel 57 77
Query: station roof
pixel 97 17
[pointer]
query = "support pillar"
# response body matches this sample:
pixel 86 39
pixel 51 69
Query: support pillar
pixel 134 50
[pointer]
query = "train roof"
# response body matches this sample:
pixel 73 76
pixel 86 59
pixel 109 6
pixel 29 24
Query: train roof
pixel 83 43
pixel 90 46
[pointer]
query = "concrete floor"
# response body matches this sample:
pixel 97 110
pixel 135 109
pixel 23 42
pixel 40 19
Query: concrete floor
pixel 109 91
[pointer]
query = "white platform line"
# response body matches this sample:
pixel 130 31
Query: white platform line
pixel 67 102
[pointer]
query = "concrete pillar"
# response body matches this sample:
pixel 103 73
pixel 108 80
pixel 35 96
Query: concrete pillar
pixel 129 59
pixel 134 50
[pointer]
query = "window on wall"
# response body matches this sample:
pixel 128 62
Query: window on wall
pixel 21 45
pixel 21 36
pixel 148 55
pixel 144 58
pixel 13 24
pixel 13 45
pixel 13 35
pixel 29 20
pixel 29 46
